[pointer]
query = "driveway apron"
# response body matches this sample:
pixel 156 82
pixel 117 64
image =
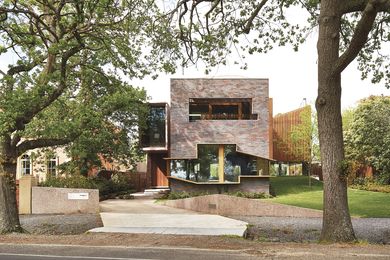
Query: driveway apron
pixel 147 216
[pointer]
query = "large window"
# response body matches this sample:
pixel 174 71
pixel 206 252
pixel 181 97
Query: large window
pixel 211 158
pixel 220 109
pixel 154 135
pixel 25 162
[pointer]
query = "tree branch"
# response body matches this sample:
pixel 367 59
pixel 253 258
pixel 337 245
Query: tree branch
pixel 24 119
pixel 249 22
pixel 40 143
pixel 351 6
pixel 359 37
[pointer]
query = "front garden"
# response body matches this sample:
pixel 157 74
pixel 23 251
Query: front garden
pixel 295 190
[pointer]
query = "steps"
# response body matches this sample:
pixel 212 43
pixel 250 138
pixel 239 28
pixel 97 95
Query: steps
pixel 154 193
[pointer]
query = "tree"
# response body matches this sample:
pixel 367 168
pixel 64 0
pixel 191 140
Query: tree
pixel 67 81
pixel 367 140
pixel 346 30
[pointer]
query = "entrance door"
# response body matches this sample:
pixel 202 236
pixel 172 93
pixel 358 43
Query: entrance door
pixel 159 170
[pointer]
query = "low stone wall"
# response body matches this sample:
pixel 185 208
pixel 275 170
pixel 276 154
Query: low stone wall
pixel 247 184
pixel 49 200
pixel 230 206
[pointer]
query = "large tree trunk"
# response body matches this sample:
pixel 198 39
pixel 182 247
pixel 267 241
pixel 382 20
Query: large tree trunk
pixel 9 217
pixel 337 226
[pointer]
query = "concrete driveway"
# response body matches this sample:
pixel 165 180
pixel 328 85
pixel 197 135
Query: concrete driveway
pixel 146 216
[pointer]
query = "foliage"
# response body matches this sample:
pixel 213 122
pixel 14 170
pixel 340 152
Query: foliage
pixel 67 78
pixel 242 194
pixel 249 195
pixel 368 137
pixel 183 195
pixel 118 184
pixel 369 184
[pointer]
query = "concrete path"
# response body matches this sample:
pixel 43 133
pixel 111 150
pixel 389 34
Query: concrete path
pixel 146 216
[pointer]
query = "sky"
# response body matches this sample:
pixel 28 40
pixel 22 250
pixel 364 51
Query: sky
pixel 292 78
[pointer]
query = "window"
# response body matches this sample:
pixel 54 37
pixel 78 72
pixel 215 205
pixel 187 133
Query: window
pixel 52 167
pixel 25 164
pixel 154 135
pixel 213 156
pixel 221 109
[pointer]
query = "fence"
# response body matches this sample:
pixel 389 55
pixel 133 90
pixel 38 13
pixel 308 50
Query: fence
pixel 138 180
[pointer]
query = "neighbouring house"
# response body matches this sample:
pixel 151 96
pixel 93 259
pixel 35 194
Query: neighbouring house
pixel 40 164
pixel 215 136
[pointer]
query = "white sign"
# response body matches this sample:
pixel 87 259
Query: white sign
pixel 78 196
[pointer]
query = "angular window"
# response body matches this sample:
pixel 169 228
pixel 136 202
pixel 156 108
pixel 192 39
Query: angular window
pixel 154 134
pixel 25 164
pixel 221 109
pixel 211 157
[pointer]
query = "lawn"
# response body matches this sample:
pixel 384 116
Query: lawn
pixel 294 190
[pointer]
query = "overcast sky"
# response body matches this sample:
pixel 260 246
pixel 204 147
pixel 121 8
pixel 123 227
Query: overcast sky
pixel 292 77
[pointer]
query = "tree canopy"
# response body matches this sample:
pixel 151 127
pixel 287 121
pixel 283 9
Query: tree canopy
pixel 68 77
pixel 367 140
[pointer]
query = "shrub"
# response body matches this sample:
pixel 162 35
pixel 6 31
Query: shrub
pixel 118 183
pixel 242 194
pixel 370 184
pixel 183 195
pixel 250 195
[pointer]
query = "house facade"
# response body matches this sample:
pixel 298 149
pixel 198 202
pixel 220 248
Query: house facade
pixel 217 136
pixel 40 164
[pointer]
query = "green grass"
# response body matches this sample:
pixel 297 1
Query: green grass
pixel 294 190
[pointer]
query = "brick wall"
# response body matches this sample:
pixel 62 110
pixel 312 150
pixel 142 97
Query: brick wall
pixel 250 136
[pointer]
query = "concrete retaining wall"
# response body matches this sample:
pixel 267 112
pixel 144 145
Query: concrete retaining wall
pixel 48 200
pixel 230 206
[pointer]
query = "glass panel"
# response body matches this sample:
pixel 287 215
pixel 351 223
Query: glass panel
pixel 208 162
pixel 224 111
pixel 154 135
pixel 238 164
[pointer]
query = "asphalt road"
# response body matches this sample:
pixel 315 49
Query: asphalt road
pixel 39 252
pixel 71 252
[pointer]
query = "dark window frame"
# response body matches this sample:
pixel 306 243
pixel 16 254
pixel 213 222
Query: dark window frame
pixel 240 104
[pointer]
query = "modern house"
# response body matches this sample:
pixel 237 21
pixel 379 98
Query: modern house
pixel 215 136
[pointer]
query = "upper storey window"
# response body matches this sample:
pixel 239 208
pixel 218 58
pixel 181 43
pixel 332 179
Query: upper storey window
pixel 155 133
pixel 221 109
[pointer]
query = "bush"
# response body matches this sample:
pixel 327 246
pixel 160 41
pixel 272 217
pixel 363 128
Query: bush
pixel 369 184
pixel 183 195
pixel 250 195
pixel 242 194
pixel 119 183
pixel 73 181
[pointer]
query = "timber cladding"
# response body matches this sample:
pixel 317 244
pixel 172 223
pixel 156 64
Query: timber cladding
pixel 285 147
pixel 250 136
